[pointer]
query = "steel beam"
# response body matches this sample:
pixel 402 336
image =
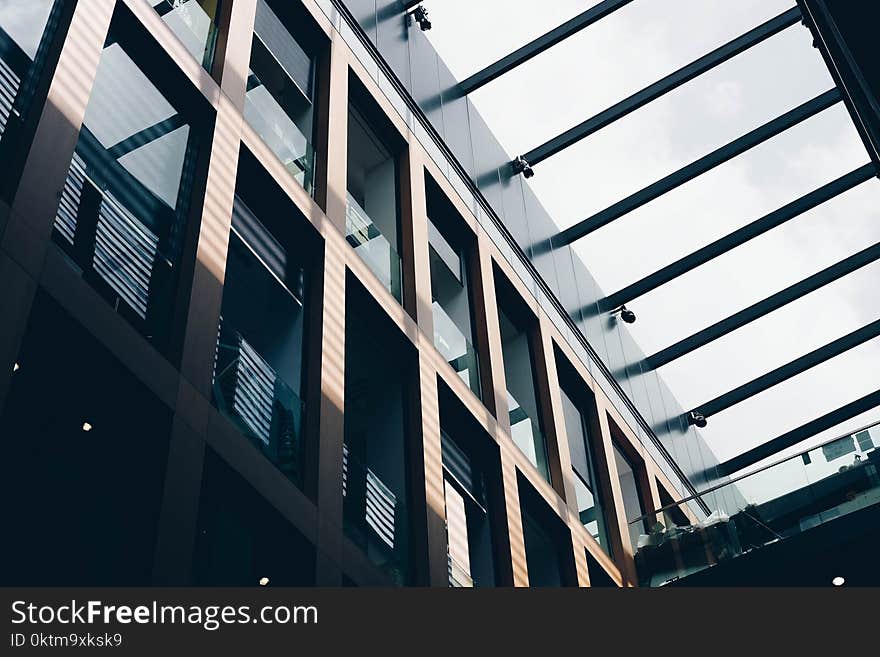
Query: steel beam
pixel 793 368
pixel 698 167
pixel 663 86
pixel 801 433
pixel 409 4
pixel 539 45
pixel 739 237
pixel 765 306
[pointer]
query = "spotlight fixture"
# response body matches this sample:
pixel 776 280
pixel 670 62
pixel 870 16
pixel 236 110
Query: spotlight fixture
pixel 521 165
pixel 698 419
pixel 838 581
pixel 420 16
pixel 16 367
pixel 86 426
pixel 626 314
pixel 264 581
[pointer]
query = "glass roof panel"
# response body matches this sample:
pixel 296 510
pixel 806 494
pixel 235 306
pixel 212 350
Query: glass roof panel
pixel 623 53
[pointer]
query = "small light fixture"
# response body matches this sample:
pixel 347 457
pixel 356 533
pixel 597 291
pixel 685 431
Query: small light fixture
pixel 16 367
pixel 627 315
pixel 264 581
pixel 86 426
pixel 838 581
pixel 697 419
pixel 420 16
pixel 521 165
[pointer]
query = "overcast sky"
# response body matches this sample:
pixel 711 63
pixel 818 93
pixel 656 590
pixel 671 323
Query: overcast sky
pixel 618 56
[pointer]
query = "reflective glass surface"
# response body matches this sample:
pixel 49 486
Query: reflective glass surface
pixel 793 496
pixel 25 30
pixel 124 205
pixel 259 363
pixel 280 95
pixel 586 484
pixel 195 24
pixel 372 246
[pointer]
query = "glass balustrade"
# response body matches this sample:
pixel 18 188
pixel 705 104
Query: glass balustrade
pixel 527 436
pixel 459 574
pixel 248 391
pixel 375 517
pixel 373 248
pixel 195 24
pixel 755 510
pixel 269 120
pixel 456 348
pixel 279 104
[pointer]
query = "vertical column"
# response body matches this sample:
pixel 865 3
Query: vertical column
pixel 176 534
pixel 330 422
pixel 28 226
pixel 580 562
pixel 619 534
pixel 489 333
pixel 331 181
pixel 429 468
pixel 200 337
pixel 652 490
pixel 516 541
pixel 550 403
pixel 417 281
pixel 236 50
pixel 179 516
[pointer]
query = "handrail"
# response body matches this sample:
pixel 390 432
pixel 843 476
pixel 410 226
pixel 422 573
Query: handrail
pixel 749 474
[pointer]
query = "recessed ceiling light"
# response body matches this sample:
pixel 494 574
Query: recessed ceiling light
pixel 264 581
pixel 87 426
pixel 838 581
pixel 16 367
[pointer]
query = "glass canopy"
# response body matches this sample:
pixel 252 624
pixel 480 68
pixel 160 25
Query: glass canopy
pixel 635 45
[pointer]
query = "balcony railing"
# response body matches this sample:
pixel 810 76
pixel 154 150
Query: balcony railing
pixel 269 120
pixel 779 501
pixel 527 436
pixel 459 575
pixel 372 246
pixel 248 391
pixel 456 348
pixel 375 517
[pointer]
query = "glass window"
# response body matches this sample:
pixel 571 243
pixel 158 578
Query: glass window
pixel 372 218
pixel 468 531
pixel 259 363
pixel 125 203
pixel 195 24
pixel 26 28
pixel 542 553
pixel 451 306
pixel 632 496
pixel 374 475
pixel 583 463
pixel 281 94
pixel 522 400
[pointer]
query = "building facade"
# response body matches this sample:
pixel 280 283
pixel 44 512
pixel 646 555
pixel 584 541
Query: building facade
pixel 269 312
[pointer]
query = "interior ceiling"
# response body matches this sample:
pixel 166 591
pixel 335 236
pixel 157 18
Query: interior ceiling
pixel 624 52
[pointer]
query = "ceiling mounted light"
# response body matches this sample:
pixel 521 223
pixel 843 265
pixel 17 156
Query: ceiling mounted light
pixel 521 165
pixel 627 315
pixel 264 581
pixel 838 581
pixel 420 16
pixel 86 426
pixel 16 367
pixel 698 419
